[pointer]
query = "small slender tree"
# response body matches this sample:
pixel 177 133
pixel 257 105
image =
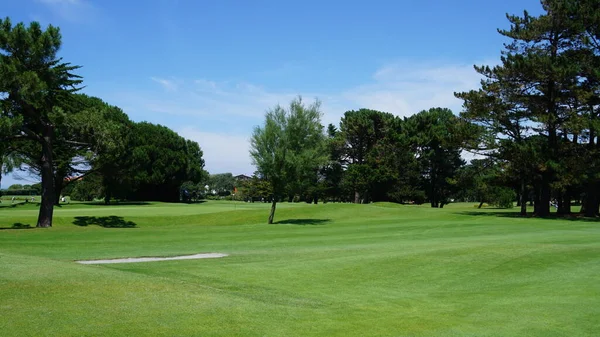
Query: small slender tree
pixel 289 147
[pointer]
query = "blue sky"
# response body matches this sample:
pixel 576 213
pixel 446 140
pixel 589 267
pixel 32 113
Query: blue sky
pixel 210 69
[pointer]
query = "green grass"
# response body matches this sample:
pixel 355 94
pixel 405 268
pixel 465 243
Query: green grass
pixel 324 270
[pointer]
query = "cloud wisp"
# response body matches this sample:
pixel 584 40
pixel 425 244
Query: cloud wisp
pixel 168 85
pixel 220 115
pixel 75 11
pixel 223 152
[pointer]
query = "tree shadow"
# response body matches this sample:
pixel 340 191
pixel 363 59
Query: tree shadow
pixel 18 225
pixel 304 222
pixel 570 217
pixel 18 204
pixel 104 221
pixel 120 203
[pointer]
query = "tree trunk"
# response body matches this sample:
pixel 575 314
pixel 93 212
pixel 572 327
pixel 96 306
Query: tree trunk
pixel 536 198
pixel 543 208
pixel 589 207
pixel 58 186
pixel 523 197
pixel 564 204
pixel 47 203
pixel 107 195
pixel 272 214
pixel 434 202
pixel 356 197
pixel 480 205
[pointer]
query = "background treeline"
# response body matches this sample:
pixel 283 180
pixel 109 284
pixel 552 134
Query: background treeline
pixel 71 140
pixel 107 156
pixel 535 120
pixel 376 156
pixel 18 189
pixel 540 107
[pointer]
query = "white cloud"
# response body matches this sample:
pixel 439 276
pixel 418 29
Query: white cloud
pixel 224 102
pixel 168 85
pixel 205 85
pixel 468 156
pixel 405 89
pixel 61 2
pixel 78 11
pixel 225 112
pixel 222 152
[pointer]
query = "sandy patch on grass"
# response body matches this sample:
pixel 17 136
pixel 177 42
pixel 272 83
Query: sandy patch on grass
pixel 153 259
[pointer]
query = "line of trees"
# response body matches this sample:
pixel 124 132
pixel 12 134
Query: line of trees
pixel 18 189
pixel 535 119
pixel 74 141
pixel 540 107
pixel 372 156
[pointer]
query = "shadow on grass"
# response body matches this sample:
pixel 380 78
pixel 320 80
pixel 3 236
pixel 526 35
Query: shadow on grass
pixel 122 203
pixel 19 204
pixel 509 214
pixel 304 222
pixel 104 221
pixel 18 225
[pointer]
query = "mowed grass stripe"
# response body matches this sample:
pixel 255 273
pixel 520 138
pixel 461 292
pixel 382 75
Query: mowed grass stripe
pixel 325 270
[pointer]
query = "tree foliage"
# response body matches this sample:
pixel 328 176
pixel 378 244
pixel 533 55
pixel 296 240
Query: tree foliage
pixel 437 141
pixel 289 148
pixel 160 161
pixel 34 83
pixel 221 183
pixel 540 105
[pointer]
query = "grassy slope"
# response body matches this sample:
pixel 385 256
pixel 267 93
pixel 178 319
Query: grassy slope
pixel 344 270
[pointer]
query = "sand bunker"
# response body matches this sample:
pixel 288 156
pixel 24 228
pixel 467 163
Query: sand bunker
pixel 153 259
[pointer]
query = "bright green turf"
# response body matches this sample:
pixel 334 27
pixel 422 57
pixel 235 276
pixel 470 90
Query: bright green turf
pixel 346 270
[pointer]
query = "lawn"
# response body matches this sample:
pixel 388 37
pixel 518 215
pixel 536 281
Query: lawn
pixel 322 270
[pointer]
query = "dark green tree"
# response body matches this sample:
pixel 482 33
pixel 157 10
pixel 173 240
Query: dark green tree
pixel 33 83
pixel 87 188
pixel 504 122
pixel 482 180
pixel 437 137
pixel 160 161
pixel 221 183
pixel 540 57
pixel 332 172
pixel 255 189
pixel 546 86
pixel 362 135
pixel 584 25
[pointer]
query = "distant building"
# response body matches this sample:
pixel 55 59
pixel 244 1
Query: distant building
pixel 242 177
